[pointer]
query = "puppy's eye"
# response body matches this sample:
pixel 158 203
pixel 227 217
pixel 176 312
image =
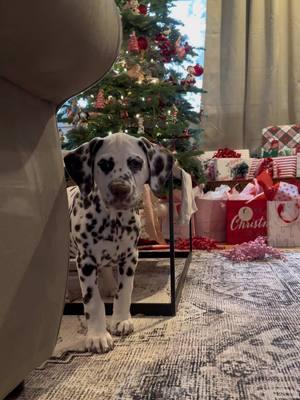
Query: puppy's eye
pixel 106 165
pixel 135 163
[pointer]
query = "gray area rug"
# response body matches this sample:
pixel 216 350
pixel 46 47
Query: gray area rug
pixel 236 336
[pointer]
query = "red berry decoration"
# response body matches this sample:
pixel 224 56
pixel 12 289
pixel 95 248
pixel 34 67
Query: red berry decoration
pixel 198 243
pixel 143 9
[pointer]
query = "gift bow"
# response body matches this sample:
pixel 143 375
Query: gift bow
pixel 267 164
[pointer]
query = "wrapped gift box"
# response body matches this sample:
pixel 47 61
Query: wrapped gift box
pixel 229 169
pixel 288 136
pixel 283 167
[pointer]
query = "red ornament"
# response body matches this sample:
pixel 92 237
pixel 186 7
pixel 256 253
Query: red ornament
pixel 197 70
pixel 100 101
pixel 133 45
pixel 143 9
pixel 142 43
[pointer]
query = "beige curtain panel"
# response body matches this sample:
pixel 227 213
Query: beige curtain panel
pixel 252 72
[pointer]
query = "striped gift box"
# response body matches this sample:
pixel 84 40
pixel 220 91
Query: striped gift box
pixel 284 167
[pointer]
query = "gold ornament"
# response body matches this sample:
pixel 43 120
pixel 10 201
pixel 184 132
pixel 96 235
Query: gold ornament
pixel 135 72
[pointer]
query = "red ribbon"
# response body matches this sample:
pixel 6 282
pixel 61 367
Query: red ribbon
pixel 267 164
pixel 226 153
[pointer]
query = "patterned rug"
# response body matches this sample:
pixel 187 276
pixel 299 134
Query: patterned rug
pixel 236 337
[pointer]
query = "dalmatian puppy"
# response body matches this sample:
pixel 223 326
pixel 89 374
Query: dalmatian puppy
pixel 110 173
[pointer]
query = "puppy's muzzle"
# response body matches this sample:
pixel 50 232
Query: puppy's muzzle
pixel 119 189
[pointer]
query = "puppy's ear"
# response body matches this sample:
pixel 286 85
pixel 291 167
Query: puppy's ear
pixel 160 163
pixel 79 164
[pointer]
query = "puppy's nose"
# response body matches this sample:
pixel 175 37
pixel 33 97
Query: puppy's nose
pixel 119 188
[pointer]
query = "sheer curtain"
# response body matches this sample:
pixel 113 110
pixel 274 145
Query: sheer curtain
pixel 252 70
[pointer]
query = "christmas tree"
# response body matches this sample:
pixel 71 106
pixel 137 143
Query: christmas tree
pixel 145 93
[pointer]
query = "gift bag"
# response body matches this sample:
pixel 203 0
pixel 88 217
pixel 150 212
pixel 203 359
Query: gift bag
pixel 283 223
pixel 245 220
pixel 210 219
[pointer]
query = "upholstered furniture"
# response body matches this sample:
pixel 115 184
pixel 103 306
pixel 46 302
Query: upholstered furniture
pixel 50 50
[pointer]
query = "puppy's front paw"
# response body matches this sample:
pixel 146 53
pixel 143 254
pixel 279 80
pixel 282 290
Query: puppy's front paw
pixel 100 343
pixel 122 328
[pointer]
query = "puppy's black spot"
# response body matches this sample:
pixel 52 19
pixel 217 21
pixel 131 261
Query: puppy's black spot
pixel 86 203
pixel 121 286
pixel 116 297
pixel 135 164
pixel 158 165
pixel 121 270
pixel 89 227
pixel 129 271
pixel 84 235
pixel 88 269
pixel 77 227
pixel 87 315
pixel 106 165
pixel 88 295
pixel 89 215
